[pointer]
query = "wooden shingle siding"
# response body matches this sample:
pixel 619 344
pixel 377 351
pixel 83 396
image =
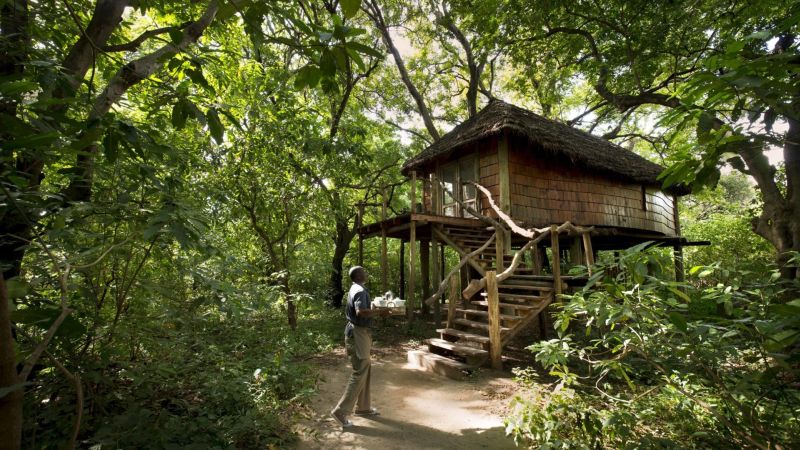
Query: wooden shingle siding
pixel 544 192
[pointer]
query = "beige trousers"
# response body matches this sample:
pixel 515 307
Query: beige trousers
pixel 357 391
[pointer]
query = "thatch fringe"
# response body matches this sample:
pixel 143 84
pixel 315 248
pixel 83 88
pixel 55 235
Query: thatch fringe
pixel 547 136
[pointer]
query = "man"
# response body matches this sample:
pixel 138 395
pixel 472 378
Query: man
pixel 358 341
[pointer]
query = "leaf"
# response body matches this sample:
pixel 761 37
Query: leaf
pixel 678 320
pixel 16 87
pixel 215 125
pixel 176 36
pixel 111 146
pixel 327 63
pixel 350 7
pixel 179 114
pixel 34 141
pixel 361 48
pixel 307 76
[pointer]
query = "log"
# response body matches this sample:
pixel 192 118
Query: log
pixel 495 343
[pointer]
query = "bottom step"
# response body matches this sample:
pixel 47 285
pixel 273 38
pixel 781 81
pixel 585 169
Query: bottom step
pixel 439 364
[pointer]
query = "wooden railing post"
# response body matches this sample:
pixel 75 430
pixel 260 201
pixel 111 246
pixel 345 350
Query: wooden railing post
pixel 495 344
pixel 500 249
pixel 588 251
pixel 452 299
pixel 437 277
pixel 556 263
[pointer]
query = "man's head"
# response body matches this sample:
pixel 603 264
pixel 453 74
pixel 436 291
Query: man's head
pixel 358 274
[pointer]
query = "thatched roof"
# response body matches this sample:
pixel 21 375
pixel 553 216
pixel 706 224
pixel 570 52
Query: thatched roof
pixel 555 138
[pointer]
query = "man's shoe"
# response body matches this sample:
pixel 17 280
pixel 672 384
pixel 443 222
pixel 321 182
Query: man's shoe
pixel 342 420
pixel 368 412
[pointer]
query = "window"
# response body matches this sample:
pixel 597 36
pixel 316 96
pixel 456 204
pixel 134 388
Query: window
pixel 454 175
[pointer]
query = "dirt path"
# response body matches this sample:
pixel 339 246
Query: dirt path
pixel 419 410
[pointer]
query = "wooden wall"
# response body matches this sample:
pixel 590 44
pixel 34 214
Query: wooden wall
pixel 544 192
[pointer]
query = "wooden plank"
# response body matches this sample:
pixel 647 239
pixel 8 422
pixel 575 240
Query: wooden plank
pixel 556 264
pixel 495 344
pixel 438 364
pixel 506 305
pixel 452 299
pixel 480 325
pixel 478 312
pixel 457 248
pixel 465 353
pixel 471 337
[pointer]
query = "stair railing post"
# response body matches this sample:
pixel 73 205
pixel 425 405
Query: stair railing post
pixel 556 263
pixel 495 344
pixel 453 299
pixel 412 253
pixel 500 249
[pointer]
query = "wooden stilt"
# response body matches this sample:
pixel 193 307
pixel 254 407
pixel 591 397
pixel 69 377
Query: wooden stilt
pixel 452 300
pixel 677 255
pixel 437 278
pixel 495 344
pixel 537 258
pixel 402 290
pixel 500 250
pixel 556 262
pixel 576 252
pixel 588 251
pixel 412 253
pixel 424 272
pixel 384 250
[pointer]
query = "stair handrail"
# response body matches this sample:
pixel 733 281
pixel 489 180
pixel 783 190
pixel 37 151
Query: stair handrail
pixel 436 295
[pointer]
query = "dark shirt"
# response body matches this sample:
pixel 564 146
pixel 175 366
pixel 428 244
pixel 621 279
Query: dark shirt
pixel 357 298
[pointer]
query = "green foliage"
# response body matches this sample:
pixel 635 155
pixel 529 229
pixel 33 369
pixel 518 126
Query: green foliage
pixel 644 363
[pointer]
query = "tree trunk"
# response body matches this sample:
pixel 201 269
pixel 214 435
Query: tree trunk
pixel 344 236
pixel 11 403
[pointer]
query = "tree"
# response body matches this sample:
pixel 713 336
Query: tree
pixel 725 71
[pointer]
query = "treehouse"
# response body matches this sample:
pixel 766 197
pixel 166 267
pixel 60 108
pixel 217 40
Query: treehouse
pixel 520 199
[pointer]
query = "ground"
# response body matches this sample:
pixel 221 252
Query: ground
pixel 419 410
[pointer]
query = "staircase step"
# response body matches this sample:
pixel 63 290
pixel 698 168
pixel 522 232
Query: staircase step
pixel 438 364
pixel 524 287
pixel 478 312
pixel 472 337
pixel 506 305
pixel 471 355
pixel 521 297
pixel 479 325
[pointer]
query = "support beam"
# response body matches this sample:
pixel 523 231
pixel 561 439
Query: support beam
pixel 576 251
pixel 500 250
pixel 412 253
pixel 537 258
pixel 556 262
pixel 424 272
pixel 359 222
pixel 437 276
pixel 588 251
pixel 503 174
pixel 452 299
pixel 384 250
pixel 402 290
pixel 495 343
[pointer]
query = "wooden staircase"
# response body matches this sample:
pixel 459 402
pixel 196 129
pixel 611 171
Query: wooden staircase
pixel 464 343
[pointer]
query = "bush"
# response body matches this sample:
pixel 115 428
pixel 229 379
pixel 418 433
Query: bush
pixel 640 362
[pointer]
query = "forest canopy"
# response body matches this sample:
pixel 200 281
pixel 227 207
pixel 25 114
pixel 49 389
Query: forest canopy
pixel 181 186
